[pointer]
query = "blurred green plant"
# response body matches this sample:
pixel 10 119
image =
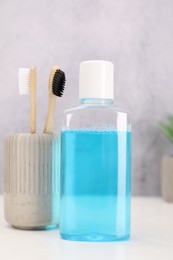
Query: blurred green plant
pixel 167 127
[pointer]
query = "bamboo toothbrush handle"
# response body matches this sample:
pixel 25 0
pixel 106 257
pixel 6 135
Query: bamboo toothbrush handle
pixel 49 125
pixel 33 100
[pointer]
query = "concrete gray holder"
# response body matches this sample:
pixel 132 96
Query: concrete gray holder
pixel 31 180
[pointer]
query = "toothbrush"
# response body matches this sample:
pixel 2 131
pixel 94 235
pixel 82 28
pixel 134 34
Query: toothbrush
pixel 27 86
pixel 56 86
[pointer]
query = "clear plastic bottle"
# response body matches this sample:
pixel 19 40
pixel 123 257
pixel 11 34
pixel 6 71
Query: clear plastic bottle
pixel 95 161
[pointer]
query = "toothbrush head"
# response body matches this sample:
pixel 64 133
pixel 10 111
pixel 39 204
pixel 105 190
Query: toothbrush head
pixel 24 81
pixel 58 83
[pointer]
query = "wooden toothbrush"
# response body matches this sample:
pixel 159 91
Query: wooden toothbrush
pixel 27 86
pixel 56 87
pixel 32 92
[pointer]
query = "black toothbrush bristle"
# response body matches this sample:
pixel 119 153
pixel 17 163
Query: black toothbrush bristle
pixel 58 84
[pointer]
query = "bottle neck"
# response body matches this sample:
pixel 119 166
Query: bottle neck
pixel 96 101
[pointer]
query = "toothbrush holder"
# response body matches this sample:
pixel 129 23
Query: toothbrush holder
pixel 31 180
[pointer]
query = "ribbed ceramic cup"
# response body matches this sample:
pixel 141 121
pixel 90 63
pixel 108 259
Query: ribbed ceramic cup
pixel 31 180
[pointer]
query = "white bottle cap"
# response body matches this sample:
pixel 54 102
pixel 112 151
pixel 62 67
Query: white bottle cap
pixel 96 79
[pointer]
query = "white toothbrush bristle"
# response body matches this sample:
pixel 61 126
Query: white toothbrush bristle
pixel 24 79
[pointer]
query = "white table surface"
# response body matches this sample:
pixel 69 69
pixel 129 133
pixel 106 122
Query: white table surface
pixel 151 238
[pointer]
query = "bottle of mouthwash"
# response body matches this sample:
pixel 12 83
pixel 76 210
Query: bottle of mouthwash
pixel 95 161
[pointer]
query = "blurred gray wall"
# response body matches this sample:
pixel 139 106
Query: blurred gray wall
pixel 136 35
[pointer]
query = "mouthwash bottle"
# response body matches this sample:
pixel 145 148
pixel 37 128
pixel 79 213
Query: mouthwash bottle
pixel 95 161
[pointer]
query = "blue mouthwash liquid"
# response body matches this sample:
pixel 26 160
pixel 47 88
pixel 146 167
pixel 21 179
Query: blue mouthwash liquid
pixel 95 185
